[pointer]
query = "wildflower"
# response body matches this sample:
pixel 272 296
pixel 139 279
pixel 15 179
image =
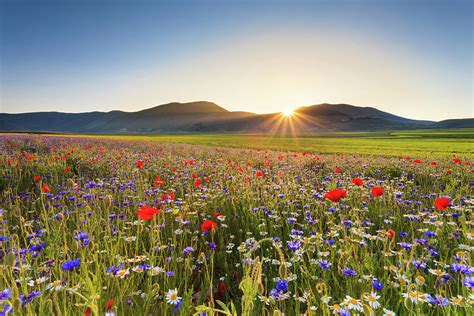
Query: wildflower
pixel 349 272
pixel 146 213
pixel 45 188
pixel 376 191
pixel 415 296
pixel 352 303
pixel 5 294
pixel 259 174
pixel 188 250
pixel 442 203
pixel 55 286
pixel 387 312
pixel 208 225
pixel 469 282
pixel 358 181
pixel 372 300
pixel 437 272
pixel 377 285
pixel 282 286
pixel 71 264
pixel 122 273
pixel 139 164
pixel 390 233
pixel 336 195
pixel 172 297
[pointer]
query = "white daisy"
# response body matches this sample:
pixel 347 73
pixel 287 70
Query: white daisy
pixel 172 297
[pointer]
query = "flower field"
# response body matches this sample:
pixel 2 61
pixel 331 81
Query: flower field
pixel 95 226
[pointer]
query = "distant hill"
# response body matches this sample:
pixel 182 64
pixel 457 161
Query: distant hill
pixel 203 116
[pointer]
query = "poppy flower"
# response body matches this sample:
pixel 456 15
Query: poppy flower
pixel 208 225
pixel 259 174
pixel 45 188
pixel 140 164
pixel 146 213
pixel 376 191
pixel 335 195
pixel 158 181
pixel 198 182
pixel 36 178
pixel 67 169
pixel 168 196
pixel 442 203
pixel 338 170
pixel 358 181
pixel 390 233
pixel 434 163
pixel 110 304
pixel 417 161
pixel 457 160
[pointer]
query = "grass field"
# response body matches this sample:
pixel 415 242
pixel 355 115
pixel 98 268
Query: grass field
pixel 148 225
pixel 422 143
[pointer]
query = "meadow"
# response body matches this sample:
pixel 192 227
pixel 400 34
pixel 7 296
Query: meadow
pixel 352 224
pixel 421 143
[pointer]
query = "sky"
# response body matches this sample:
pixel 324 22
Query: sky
pixel 411 58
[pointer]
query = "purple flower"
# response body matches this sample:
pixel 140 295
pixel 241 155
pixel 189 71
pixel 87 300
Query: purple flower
pixel 71 264
pixel 349 272
pixel 377 285
pixel 188 250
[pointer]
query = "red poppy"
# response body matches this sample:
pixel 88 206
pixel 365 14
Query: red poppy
pixel 216 214
pixel 146 213
pixel 442 203
pixel 158 181
pixel 110 304
pixel 37 178
pixel 434 163
pixel 140 164
pixel 449 171
pixel 259 174
pixel 45 188
pixel 168 196
pixel 417 161
pixel 376 191
pixel 335 195
pixel 358 181
pixel 338 170
pixel 67 169
pixel 457 160
pixel 208 225
pixel 198 182
pixel 222 287
pixel 88 311
pixel 390 233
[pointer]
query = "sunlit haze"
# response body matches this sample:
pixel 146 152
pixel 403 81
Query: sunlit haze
pixel 410 58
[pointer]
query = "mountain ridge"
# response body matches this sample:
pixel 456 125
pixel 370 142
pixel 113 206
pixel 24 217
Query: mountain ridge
pixel 205 116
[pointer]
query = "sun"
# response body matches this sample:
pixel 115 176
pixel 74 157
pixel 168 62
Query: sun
pixel 288 112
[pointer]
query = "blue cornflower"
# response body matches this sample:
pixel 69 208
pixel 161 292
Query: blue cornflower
pixel 419 264
pixel 469 282
pixel 212 245
pixel 377 285
pixel 5 294
pixel 71 264
pixel 188 250
pixel 294 245
pixel 349 272
pixel 282 286
pixel 324 264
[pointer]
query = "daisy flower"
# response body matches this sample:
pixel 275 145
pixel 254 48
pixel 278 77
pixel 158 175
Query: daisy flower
pixel 372 300
pixel 352 303
pixel 172 297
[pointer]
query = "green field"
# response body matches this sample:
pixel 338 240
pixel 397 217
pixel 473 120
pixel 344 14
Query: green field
pixel 422 143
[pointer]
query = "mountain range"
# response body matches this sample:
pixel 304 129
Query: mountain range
pixel 203 116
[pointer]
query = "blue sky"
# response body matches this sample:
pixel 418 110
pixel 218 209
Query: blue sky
pixel 411 58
